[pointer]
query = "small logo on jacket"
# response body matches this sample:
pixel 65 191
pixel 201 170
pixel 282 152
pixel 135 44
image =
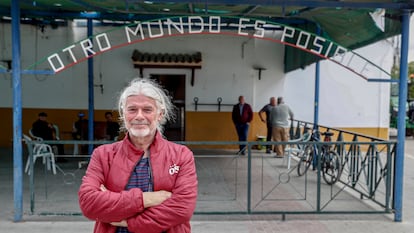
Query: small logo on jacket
pixel 174 169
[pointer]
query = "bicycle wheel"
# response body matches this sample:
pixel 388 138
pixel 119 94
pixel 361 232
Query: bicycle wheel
pixel 305 160
pixel 331 167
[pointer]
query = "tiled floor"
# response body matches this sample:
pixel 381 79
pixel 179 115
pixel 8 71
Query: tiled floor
pixel 201 223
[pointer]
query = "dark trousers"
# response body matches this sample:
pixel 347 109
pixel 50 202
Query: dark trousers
pixel 269 136
pixel 60 148
pixel 242 130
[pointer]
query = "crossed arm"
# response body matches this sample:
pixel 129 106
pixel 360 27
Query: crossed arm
pixel 149 211
pixel 150 199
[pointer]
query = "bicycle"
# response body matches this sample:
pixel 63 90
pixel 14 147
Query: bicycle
pixel 331 165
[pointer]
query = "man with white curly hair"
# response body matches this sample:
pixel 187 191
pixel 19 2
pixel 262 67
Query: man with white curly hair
pixel 143 183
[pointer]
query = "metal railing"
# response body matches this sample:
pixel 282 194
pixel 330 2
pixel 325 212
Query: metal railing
pixel 256 183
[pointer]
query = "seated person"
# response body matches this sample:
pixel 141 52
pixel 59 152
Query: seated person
pixel 80 131
pixel 45 130
pixel 80 128
pixel 112 127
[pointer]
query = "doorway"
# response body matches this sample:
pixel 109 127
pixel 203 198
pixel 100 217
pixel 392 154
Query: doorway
pixel 175 85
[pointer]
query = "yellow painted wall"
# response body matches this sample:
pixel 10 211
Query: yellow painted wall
pixel 200 126
pixel 381 133
pixel 218 126
pixel 64 118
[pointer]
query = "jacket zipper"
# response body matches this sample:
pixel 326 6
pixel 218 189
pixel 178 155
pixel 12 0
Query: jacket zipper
pixel 151 186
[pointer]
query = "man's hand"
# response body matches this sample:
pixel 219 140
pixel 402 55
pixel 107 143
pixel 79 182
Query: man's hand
pixel 155 198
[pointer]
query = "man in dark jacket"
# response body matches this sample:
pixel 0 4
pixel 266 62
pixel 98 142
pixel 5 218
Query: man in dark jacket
pixel 242 115
pixel 112 127
pixel 266 110
pixel 43 129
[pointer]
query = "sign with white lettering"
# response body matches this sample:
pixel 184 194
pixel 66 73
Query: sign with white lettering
pixel 188 25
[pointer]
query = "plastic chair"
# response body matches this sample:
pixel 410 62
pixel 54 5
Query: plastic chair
pixel 57 133
pixel 40 150
pixel 57 136
pixel 295 147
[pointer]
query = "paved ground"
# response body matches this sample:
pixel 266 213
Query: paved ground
pixel 241 224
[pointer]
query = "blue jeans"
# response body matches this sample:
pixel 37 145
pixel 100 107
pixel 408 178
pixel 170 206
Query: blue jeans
pixel 242 130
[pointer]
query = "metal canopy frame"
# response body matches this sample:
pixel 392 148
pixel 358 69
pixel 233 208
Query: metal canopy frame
pixel 337 20
pixel 347 22
pixel 88 9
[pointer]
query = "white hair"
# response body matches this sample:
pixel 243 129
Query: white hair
pixel 151 89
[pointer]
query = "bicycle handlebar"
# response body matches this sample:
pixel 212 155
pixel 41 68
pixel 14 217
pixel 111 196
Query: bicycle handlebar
pixel 316 134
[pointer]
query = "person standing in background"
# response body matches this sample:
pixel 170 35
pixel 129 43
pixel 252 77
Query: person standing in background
pixel 279 116
pixel 80 128
pixel 80 132
pixel 242 115
pixel 112 127
pixel 266 109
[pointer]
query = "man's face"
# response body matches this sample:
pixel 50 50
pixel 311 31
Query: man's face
pixel 273 101
pixel 43 118
pixel 141 116
pixel 108 117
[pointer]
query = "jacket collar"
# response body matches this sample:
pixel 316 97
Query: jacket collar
pixel 155 146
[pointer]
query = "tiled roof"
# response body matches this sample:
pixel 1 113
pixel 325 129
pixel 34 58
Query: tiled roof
pixel 143 60
pixel 169 59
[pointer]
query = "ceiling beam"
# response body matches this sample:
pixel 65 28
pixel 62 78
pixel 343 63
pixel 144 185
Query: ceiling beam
pixel 190 8
pixel 98 12
pixel 320 3
pixel 250 9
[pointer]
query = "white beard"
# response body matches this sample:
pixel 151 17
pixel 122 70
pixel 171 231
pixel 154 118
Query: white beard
pixel 140 132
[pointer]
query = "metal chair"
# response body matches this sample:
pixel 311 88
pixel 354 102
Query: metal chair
pixel 40 150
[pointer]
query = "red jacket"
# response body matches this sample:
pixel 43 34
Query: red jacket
pixel 245 117
pixel 112 165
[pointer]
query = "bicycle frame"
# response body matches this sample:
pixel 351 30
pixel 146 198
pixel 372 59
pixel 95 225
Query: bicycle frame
pixel 330 163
